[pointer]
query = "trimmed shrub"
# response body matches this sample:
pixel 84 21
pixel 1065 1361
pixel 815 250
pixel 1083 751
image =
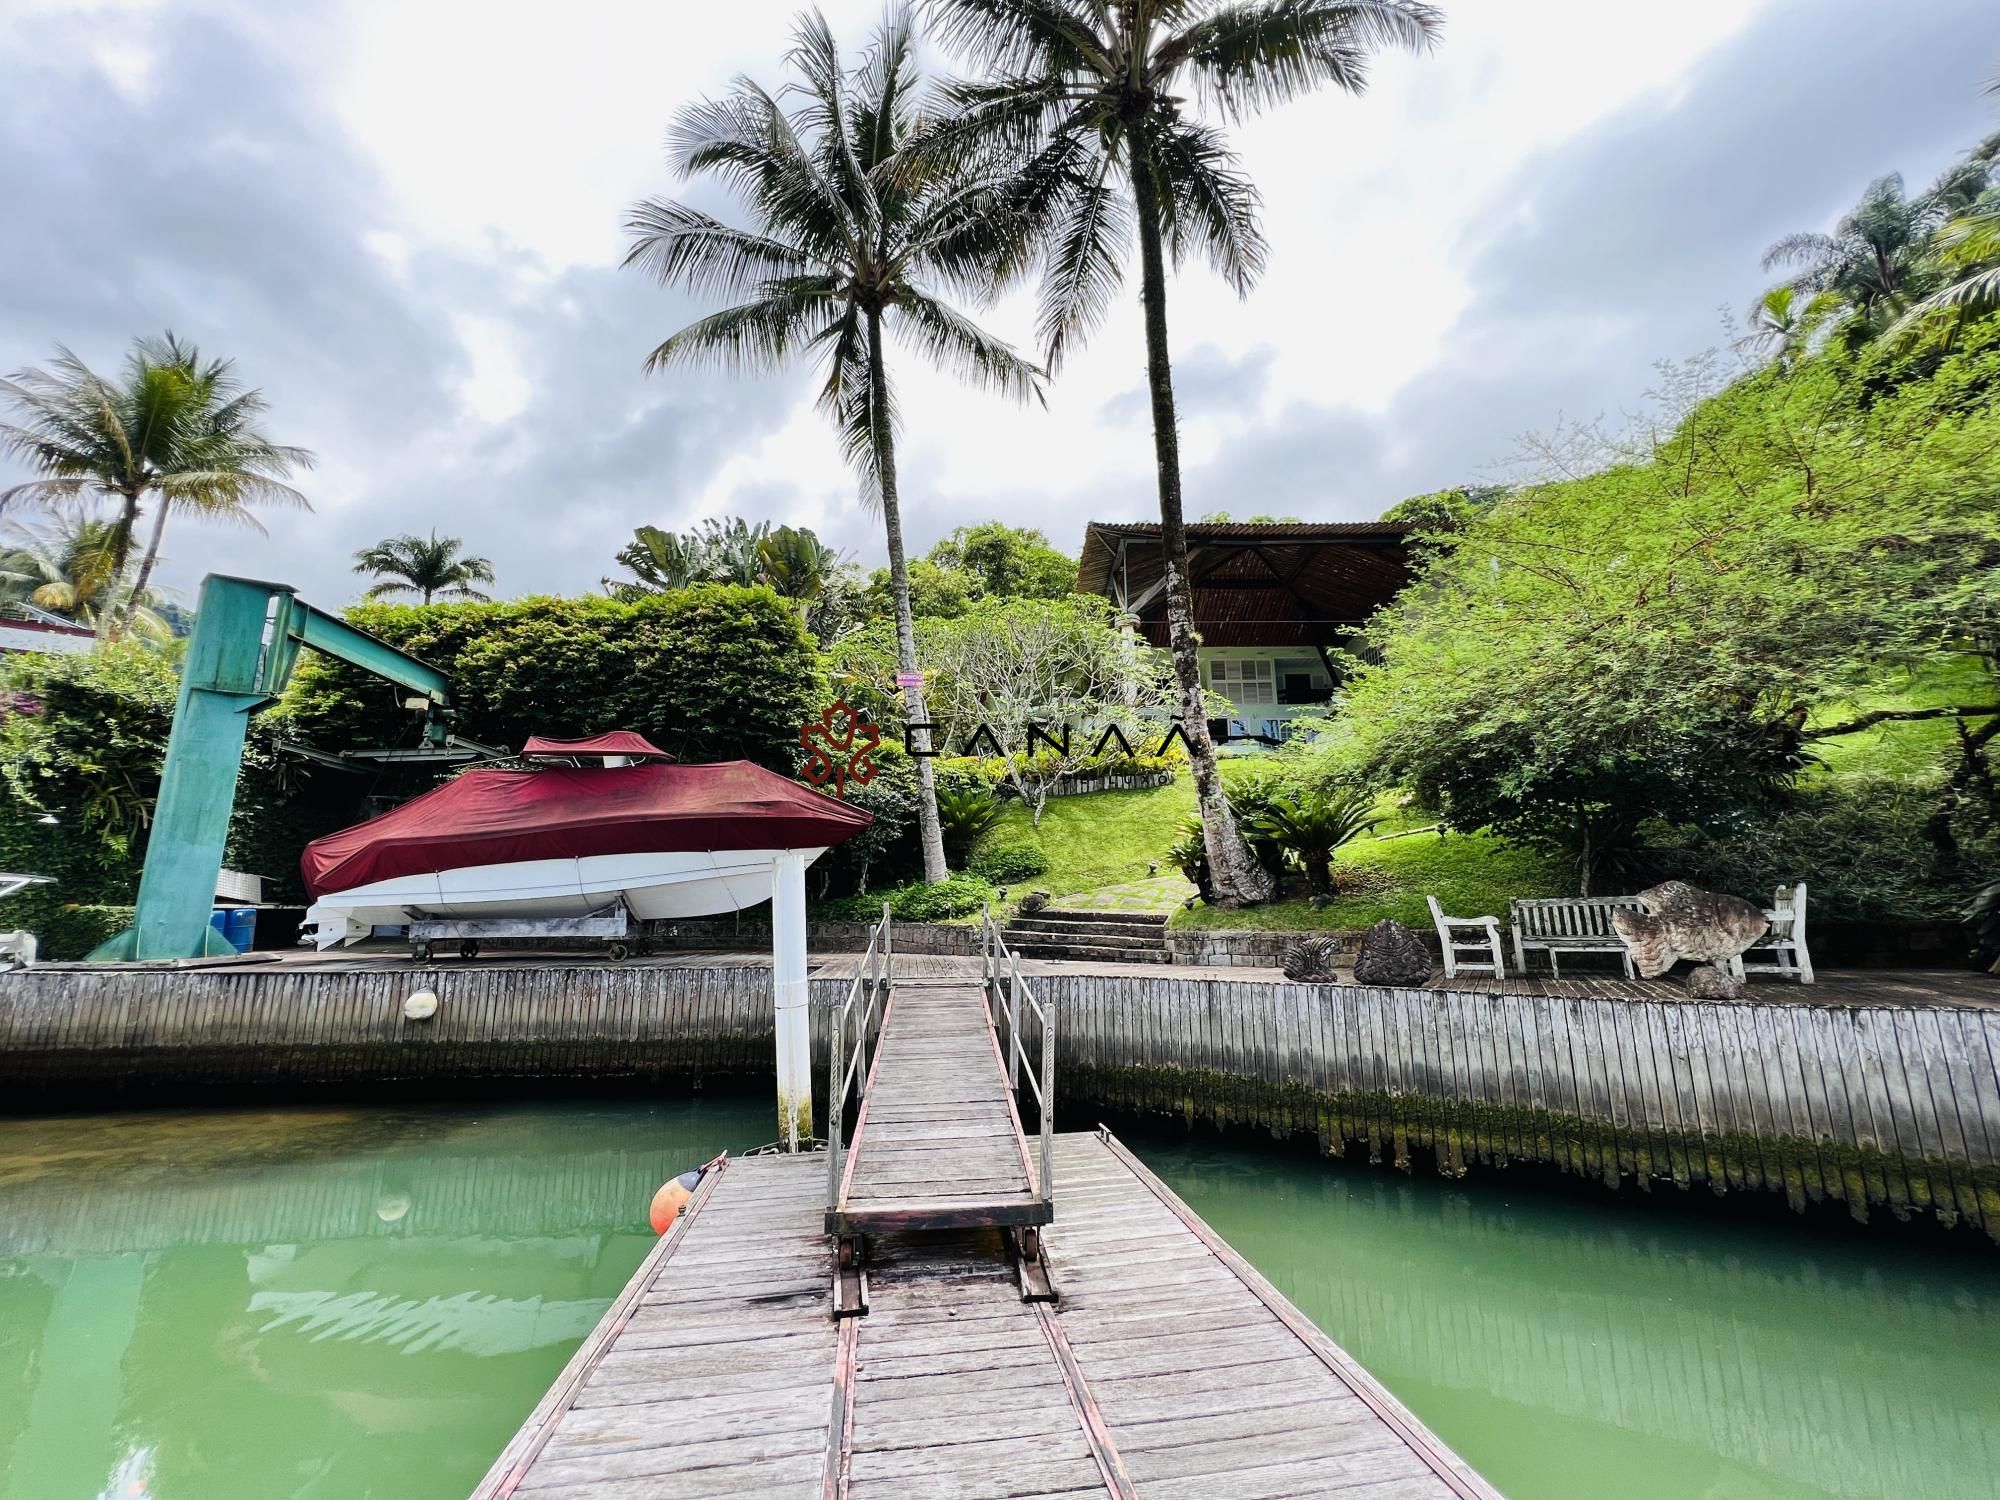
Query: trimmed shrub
pixel 70 932
pixel 712 672
pixel 1009 863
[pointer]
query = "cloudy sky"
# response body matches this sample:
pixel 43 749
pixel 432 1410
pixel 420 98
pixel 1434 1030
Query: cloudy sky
pixel 403 221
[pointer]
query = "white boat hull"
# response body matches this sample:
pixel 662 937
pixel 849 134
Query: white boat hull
pixel 654 887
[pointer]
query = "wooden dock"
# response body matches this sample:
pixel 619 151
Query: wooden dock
pixel 1168 1370
pixel 938 1142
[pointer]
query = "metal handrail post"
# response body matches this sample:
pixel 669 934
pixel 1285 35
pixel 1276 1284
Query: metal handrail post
pixel 836 1091
pixel 1048 1100
pixel 1014 1024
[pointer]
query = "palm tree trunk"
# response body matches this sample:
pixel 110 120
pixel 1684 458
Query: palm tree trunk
pixel 118 612
pixel 122 616
pixel 930 830
pixel 1236 876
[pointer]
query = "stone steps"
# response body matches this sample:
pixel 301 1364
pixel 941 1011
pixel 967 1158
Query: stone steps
pixel 1089 953
pixel 1090 936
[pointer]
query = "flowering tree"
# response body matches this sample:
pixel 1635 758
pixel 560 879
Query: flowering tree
pixel 1057 672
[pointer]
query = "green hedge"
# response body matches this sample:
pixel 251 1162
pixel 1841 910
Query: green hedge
pixel 70 932
pixel 713 672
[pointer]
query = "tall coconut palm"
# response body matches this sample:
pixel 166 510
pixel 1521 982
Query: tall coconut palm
pixel 174 431
pixel 851 236
pixel 431 567
pixel 1096 97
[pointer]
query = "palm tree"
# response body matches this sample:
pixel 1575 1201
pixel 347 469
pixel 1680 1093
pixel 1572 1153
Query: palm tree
pixel 1878 258
pixel 430 567
pixel 67 569
pixel 1784 321
pixel 1094 95
pixel 174 430
pixel 851 233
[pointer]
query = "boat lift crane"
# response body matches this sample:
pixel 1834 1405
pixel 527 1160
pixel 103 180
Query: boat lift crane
pixel 247 637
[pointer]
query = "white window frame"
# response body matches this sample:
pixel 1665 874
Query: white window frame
pixel 1248 682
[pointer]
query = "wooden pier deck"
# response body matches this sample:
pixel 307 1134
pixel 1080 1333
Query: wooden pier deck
pixel 1169 1369
pixel 938 1142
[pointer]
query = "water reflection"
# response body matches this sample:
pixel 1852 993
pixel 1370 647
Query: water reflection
pixel 358 1304
pixel 1570 1350
pixel 361 1305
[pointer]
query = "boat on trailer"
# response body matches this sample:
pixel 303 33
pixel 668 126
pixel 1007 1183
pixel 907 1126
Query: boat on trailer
pixel 585 839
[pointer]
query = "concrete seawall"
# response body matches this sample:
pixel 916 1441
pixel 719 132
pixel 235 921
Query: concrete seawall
pixel 1870 1105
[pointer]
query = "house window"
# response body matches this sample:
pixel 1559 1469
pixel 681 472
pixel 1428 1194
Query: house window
pixel 1246 683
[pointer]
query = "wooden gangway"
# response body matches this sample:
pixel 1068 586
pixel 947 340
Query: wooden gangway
pixel 936 1064
pixel 1169 1369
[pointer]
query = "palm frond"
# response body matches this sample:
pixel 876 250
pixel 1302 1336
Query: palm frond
pixel 1028 36
pixel 752 335
pixel 950 340
pixel 1795 248
pixel 1211 206
pixel 681 246
pixel 1248 57
pixel 1084 263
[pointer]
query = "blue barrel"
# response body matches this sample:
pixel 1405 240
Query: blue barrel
pixel 236 923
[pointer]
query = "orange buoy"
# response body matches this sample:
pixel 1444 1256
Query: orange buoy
pixel 669 1200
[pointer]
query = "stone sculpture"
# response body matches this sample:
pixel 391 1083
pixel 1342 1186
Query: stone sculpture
pixel 1677 921
pixel 1392 954
pixel 1310 960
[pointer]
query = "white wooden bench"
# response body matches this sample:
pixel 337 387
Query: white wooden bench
pixel 1785 944
pixel 1569 924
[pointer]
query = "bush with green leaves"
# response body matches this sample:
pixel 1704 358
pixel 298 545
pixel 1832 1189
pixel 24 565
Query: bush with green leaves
pixel 1662 637
pixel 710 672
pixel 960 895
pixel 968 815
pixel 1311 827
pixel 1858 841
pixel 1010 862
pixel 82 742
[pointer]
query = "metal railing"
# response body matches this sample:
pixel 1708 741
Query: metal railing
pixel 1007 995
pixel 848 1071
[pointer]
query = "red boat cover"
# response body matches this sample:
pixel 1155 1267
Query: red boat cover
pixel 567 812
pixel 617 742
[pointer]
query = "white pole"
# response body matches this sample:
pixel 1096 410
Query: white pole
pixel 788 988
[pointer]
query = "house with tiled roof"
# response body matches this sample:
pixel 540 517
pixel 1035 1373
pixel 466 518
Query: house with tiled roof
pixel 1272 603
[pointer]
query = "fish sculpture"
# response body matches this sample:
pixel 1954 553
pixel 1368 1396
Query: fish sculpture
pixel 1677 921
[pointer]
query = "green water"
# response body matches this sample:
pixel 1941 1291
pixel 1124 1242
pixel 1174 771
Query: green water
pixel 363 1304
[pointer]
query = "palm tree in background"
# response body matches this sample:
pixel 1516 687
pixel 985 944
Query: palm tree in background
pixel 1094 97
pixel 431 567
pixel 67 569
pixel 1878 260
pixel 175 431
pixel 1784 321
pixel 851 236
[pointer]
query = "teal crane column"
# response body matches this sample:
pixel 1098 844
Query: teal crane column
pixel 246 637
pixel 221 683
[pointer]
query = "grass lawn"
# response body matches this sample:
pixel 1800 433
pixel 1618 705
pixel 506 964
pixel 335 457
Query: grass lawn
pixel 1470 874
pixel 1108 839
pixel 1105 838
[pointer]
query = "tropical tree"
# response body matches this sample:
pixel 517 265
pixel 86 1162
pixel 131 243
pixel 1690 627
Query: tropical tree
pixel 1784 321
pixel 1878 258
pixel 1095 97
pixel 851 236
pixel 790 560
pixel 174 431
pixel 66 569
pixel 431 567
